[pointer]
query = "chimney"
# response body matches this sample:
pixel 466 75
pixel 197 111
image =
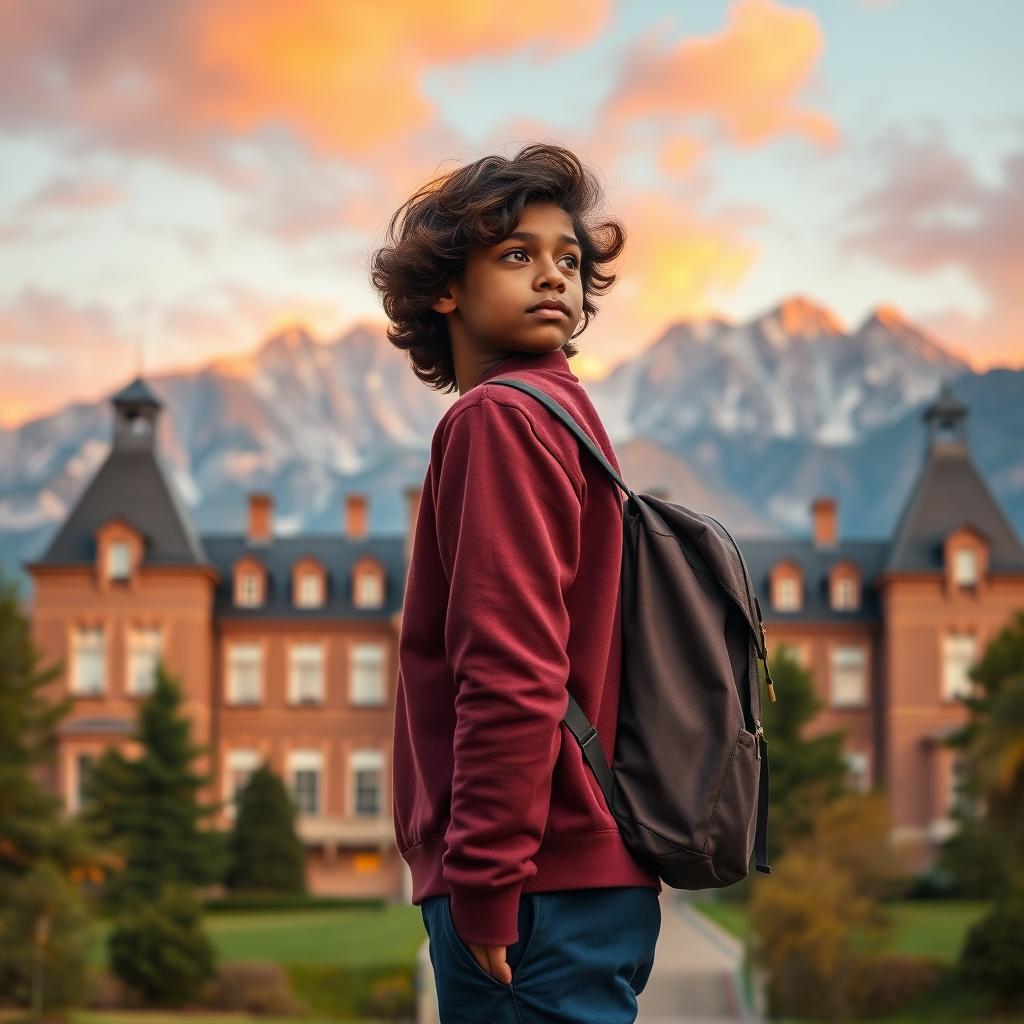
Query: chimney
pixel 825 519
pixel 413 493
pixel 355 516
pixel 261 507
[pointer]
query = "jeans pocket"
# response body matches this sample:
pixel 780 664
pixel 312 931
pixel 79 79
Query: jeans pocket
pixel 464 952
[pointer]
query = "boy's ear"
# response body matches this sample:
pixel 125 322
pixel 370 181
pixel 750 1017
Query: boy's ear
pixel 446 302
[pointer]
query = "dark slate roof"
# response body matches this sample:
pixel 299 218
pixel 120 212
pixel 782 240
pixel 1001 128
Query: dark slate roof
pixel 134 485
pixel 762 554
pixel 949 493
pixel 138 392
pixel 336 552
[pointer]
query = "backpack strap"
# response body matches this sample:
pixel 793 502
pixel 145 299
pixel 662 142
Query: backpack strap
pixel 567 418
pixel 586 736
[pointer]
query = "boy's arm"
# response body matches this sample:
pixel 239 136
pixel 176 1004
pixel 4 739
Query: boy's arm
pixel 508 524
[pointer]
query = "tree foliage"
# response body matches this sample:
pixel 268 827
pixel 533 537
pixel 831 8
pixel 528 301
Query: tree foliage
pixel 267 855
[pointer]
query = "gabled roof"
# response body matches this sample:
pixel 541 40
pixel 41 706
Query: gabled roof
pixel 338 554
pixel 132 484
pixel 949 493
pixel 137 392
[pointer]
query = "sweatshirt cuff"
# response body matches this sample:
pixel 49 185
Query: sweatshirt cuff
pixel 487 916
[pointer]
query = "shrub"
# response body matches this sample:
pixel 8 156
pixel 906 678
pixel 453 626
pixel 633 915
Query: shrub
pixel 332 990
pixel 888 982
pixel 992 958
pixel 260 988
pixel 161 950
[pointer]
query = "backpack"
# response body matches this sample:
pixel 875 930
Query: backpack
pixel 690 765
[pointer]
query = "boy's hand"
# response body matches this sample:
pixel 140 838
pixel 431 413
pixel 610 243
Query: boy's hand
pixel 492 960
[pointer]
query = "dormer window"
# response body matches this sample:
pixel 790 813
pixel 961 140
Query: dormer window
pixel 844 593
pixel 787 593
pixel 965 567
pixel 248 589
pixel 311 592
pixel 369 588
pixel 118 560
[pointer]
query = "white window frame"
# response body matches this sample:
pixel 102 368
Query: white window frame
pixel 311 658
pixel 369 588
pixel 144 649
pixel 79 776
pixel 965 567
pixel 242 691
pixel 248 589
pixel 855 661
pixel 239 765
pixel 119 560
pixel 844 593
pixel 368 759
pixel 367 681
pixel 955 663
pixel 306 760
pixel 788 594
pixel 310 590
pixel 90 641
pixel 858 765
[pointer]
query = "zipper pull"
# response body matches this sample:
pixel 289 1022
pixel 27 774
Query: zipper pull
pixel 771 685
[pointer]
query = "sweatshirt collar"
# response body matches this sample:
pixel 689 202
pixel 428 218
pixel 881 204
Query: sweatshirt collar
pixel 556 360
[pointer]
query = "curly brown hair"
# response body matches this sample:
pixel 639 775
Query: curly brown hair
pixel 480 204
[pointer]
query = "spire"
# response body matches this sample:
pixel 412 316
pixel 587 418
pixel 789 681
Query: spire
pixel 135 411
pixel 946 419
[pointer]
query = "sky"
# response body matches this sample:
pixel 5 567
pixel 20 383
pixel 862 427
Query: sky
pixel 182 179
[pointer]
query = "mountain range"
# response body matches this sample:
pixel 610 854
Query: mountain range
pixel 748 421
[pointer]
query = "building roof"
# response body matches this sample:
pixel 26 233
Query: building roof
pixel 137 392
pixel 338 555
pixel 132 484
pixel 950 493
pixel 763 554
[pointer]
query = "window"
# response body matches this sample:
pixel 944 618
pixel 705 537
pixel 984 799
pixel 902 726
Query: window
pixel 858 770
pixel 248 589
pixel 245 674
pixel 118 560
pixel 144 646
pixel 965 567
pixel 367 768
pixel 89 657
pixel 367 674
pixel 796 651
pixel 849 676
pixel 369 588
pixel 310 593
pixel 83 766
pixel 844 592
pixel 305 766
pixel 307 673
pixel 958 656
pixel 787 594
pixel 241 764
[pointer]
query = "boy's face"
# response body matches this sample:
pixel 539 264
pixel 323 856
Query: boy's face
pixel 490 312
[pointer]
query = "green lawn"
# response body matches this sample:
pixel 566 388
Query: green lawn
pixel 351 936
pixel 928 927
pixel 163 1017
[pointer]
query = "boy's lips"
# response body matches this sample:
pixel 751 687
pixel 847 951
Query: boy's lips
pixel 547 313
pixel 550 306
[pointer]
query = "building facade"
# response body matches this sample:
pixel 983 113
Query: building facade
pixel 286 646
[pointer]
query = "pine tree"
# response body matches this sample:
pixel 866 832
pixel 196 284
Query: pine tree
pixel 986 852
pixel 806 772
pixel 43 916
pixel 148 808
pixel 267 854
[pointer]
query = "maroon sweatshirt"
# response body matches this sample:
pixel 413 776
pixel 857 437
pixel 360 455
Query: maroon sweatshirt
pixel 511 602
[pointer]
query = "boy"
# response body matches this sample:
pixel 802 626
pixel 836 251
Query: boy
pixel 534 908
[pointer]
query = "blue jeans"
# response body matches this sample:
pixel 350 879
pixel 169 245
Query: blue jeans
pixel 583 956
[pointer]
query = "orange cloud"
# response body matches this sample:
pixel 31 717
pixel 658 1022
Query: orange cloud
pixel 675 266
pixel 748 76
pixel 183 79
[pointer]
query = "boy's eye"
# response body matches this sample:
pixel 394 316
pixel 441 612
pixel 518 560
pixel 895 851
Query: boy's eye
pixel 569 255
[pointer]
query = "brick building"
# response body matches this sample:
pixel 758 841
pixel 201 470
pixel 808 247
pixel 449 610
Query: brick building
pixel 286 646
